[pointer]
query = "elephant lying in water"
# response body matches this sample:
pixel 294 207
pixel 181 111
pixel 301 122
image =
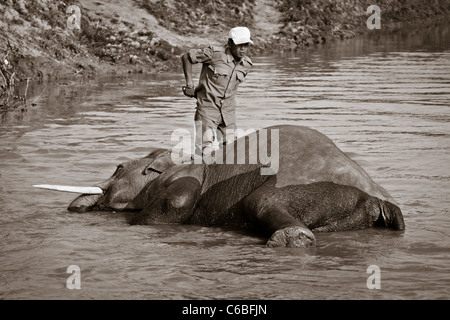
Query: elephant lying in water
pixel 316 188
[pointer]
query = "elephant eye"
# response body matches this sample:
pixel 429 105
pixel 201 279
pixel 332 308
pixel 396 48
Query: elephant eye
pixel 119 168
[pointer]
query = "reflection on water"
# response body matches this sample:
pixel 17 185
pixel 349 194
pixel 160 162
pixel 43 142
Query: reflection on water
pixel 384 101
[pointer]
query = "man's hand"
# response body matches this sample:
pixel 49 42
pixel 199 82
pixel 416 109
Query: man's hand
pixel 189 91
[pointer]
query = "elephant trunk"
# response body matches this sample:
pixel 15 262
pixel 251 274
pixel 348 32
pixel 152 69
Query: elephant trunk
pixel 84 203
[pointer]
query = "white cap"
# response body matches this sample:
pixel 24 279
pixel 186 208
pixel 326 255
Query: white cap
pixel 240 35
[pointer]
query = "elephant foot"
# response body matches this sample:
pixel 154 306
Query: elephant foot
pixel 295 236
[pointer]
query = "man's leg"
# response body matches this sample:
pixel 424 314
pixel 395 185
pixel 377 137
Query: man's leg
pixel 205 134
pixel 228 133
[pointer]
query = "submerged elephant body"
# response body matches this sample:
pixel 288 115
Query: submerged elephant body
pixel 316 188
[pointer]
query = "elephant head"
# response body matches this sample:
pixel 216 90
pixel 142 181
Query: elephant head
pixel 125 184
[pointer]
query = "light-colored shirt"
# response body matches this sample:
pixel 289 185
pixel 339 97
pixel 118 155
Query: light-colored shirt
pixel 218 82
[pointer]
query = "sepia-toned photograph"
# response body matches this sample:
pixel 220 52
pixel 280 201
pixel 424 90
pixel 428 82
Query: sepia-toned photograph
pixel 242 152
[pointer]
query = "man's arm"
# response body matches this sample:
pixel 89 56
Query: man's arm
pixel 189 90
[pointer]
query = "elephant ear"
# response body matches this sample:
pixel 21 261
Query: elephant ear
pixel 161 160
pixel 183 193
pixel 175 204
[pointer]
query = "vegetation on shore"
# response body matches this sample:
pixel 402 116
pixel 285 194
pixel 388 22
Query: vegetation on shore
pixel 312 22
pixel 36 40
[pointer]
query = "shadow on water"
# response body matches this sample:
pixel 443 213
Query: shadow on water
pixel 430 38
pixel 41 101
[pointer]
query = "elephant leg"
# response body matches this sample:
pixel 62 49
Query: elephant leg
pixel 271 214
pixel 295 235
pixel 173 205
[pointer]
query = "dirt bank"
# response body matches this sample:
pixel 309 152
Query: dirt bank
pixel 42 40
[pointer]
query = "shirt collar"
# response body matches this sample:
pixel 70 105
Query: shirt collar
pixel 230 57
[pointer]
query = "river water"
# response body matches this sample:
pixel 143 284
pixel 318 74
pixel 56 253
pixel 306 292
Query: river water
pixel 384 100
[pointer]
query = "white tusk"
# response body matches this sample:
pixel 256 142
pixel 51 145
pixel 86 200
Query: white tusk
pixel 84 190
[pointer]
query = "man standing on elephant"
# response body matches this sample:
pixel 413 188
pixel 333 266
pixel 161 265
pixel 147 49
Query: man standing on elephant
pixel 224 68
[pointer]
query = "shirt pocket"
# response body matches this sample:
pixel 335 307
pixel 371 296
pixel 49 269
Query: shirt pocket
pixel 240 75
pixel 220 75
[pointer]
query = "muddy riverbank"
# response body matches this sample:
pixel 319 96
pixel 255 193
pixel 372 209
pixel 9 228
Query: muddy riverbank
pixel 50 39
